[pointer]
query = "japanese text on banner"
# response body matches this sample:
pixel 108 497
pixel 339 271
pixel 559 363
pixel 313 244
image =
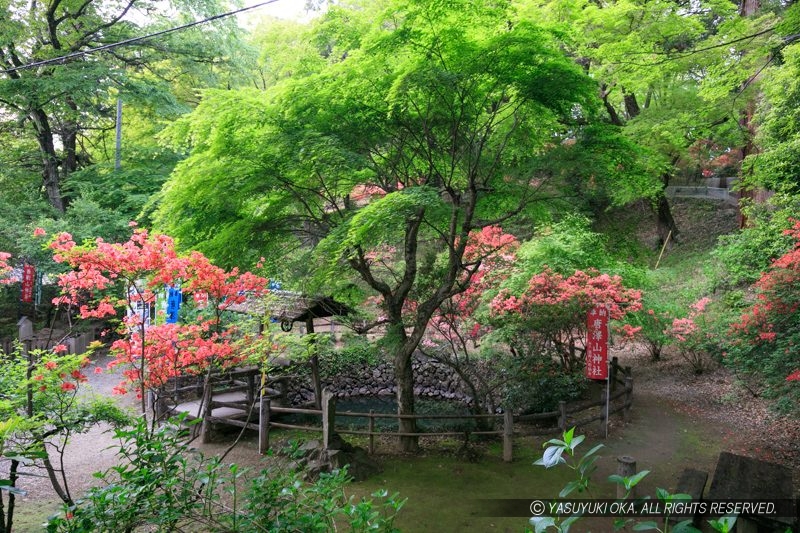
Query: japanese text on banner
pixel 597 343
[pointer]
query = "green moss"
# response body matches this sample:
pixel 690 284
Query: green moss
pixel 445 493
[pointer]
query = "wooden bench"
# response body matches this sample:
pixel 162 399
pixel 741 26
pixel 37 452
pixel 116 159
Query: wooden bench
pixel 737 477
pixel 692 482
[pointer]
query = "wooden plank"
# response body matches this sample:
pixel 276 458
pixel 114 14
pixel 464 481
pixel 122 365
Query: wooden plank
pixel 233 422
pixel 738 477
pixel 292 426
pixel 431 417
pixel 692 482
pixel 296 410
pixel 536 416
pixel 233 405
pixel 328 418
pixel 371 432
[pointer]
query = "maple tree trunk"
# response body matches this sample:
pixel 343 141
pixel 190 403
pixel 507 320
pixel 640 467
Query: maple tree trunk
pixel 666 223
pixel 404 376
pixel 631 104
pixel 747 8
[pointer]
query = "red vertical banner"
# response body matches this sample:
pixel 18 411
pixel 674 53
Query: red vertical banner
pixel 28 280
pixel 597 343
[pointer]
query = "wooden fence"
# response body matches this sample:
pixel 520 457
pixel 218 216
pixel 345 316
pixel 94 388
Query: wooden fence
pixel 329 415
pixel 566 413
pixel 75 344
pixel 265 417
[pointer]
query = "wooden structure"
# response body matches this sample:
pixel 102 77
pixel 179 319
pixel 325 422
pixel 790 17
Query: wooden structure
pixel 288 307
pixel 507 422
pixel 231 398
pixel 47 339
pixel 744 479
pixel 245 398
pixel 740 480
pixel 328 416
pixel 693 483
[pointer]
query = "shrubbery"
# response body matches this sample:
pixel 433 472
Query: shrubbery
pixel 767 336
pixel 165 485
pixel 537 388
pixel 749 252
pixel 356 353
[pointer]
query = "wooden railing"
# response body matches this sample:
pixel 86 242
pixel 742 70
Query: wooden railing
pixel 329 415
pixel 565 414
pixel 75 344
pixel 166 398
pixel 260 414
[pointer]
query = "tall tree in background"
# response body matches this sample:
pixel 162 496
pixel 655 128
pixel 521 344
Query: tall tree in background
pixel 777 165
pixel 428 127
pixel 677 80
pixel 64 103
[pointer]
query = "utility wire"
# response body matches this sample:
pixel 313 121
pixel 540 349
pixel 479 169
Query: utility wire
pixel 67 57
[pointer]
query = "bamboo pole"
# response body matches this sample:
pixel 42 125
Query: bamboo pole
pixel 666 241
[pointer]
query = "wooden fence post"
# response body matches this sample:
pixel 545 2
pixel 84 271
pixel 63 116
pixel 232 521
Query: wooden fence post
pixel 626 412
pixel 26 353
pixel 562 418
pixel 251 389
pixel 328 417
pixel 626 467
pixel 612 373
pixel 604 407
pixel 263 425
pixel 508 436
pixel 371 431
pixel 205 426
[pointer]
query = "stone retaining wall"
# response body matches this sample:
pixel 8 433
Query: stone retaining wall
pixel 431 380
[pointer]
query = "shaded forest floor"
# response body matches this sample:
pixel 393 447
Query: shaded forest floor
pixel 739 422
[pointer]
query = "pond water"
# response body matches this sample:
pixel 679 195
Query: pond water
pixel 388 404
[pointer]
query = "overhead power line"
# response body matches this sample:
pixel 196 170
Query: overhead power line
pixel 89 51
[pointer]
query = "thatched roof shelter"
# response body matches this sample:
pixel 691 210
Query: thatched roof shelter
pixel 289 307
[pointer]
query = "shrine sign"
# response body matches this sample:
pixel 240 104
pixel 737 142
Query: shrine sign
pixel 28 278
pixel 597 343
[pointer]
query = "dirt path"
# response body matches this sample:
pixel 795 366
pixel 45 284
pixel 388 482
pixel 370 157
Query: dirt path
pixel 681 418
